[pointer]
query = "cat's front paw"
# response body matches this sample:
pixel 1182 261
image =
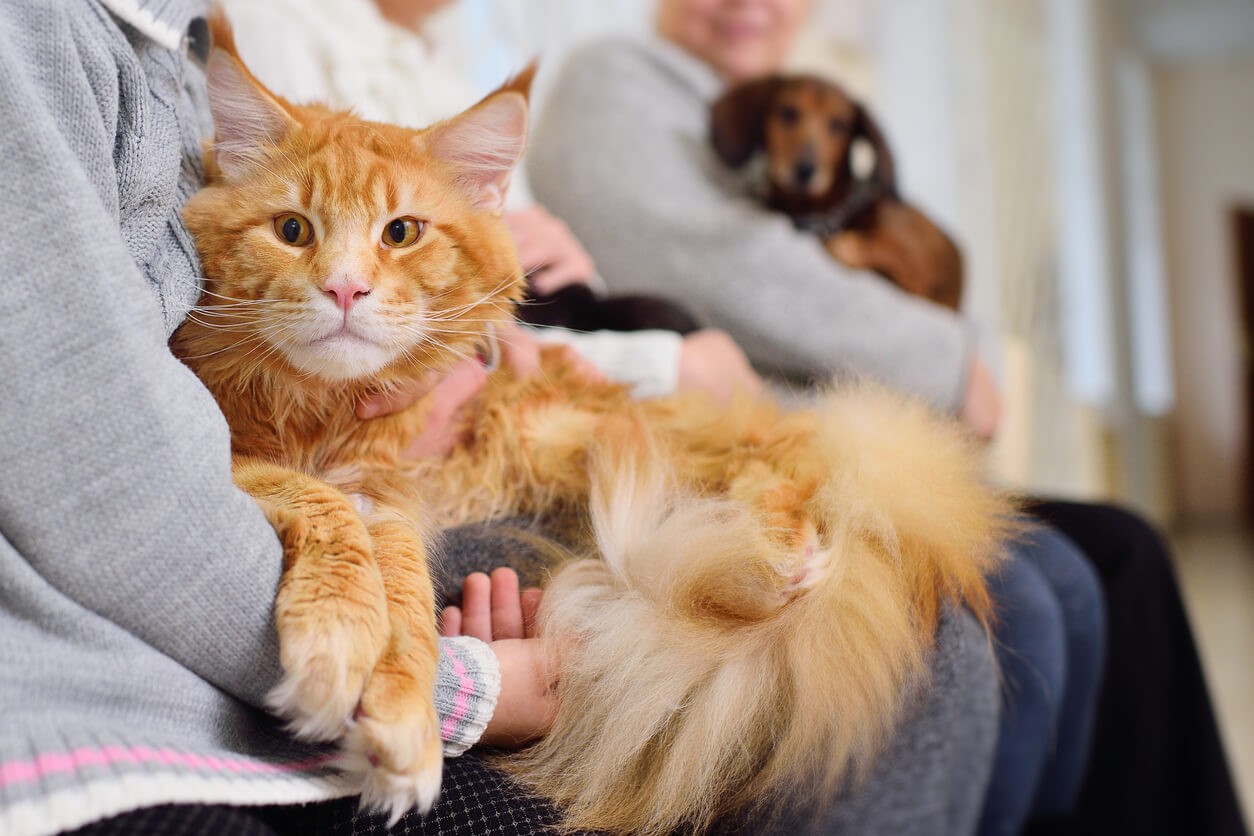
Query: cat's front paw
pixel 328 646
pixel 393 746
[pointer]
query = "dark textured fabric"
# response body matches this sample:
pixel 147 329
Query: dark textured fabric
pixel 1158 764
pixel 576 306
pixel 475 799
pixel 531 547
pixel 183 820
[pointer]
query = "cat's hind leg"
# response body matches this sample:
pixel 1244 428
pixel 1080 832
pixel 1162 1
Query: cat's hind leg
pixel 330 611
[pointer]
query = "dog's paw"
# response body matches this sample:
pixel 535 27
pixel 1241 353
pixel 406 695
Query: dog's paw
pixel 328 650
pixel 398 762
pixel 850 249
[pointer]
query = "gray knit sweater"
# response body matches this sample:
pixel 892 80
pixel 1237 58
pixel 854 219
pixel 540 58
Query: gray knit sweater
pixel 136 582
pixel 621 153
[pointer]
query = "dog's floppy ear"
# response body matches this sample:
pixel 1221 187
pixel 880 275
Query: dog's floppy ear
pixel 884 173
pixel 738 120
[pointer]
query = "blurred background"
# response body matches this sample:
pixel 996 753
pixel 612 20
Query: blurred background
pixel 1096 160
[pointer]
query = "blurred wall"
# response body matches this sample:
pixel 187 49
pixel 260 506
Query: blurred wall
pixel 1035 129
pixel 1206 126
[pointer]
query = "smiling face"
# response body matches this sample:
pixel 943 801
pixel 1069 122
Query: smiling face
pixel 739 39
pixel 345 248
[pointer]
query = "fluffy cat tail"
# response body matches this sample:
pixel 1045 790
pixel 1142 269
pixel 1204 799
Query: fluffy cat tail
pixel 702 669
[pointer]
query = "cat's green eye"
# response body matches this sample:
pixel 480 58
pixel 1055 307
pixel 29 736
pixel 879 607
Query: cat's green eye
pixel 402 232
pixel 293 229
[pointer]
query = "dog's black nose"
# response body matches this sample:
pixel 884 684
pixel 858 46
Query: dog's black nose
pixel 803 172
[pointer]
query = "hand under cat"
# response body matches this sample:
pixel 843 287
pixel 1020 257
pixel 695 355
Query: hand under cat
pixel 549 252
pixel 493 611
pixel 454 389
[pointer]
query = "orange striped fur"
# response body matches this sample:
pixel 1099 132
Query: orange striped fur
pixel 762 587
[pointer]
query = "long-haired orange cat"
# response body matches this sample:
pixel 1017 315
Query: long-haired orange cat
pixel 760 588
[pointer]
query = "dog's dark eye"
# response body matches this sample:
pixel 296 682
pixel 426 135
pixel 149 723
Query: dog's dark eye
pixel 838 126
pixel 789 114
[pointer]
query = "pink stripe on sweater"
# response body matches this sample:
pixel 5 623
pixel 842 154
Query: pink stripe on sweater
pixel 58 762
pixel 461 703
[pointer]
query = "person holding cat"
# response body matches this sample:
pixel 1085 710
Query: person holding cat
pixel 136 582
pixel 627 127
pixel 303 66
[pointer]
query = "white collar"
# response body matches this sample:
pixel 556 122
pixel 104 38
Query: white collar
pixel 140 14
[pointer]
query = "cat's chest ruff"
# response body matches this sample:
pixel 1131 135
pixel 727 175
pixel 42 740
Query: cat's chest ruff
pixel 323 441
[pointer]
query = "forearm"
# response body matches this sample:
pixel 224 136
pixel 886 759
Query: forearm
pixel 620 154
pixel 115 478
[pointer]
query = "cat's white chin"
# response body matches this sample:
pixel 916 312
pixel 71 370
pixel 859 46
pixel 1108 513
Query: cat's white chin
pixel 338 357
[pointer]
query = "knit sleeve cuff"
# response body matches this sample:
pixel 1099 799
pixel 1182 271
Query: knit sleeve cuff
pixel 467 684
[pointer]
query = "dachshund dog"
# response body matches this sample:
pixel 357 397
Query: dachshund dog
pixel 807 127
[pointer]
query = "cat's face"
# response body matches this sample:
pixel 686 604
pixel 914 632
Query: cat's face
pixel 343 247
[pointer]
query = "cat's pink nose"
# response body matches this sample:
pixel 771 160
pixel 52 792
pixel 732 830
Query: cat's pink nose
pixel 346 291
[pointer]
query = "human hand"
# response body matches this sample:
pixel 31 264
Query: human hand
pixel 551 255
pixel 711 361
pixel 493 610
pixel 520 350
pixel 450 392
pixel 981 403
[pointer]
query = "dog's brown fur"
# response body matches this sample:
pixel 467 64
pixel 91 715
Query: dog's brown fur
pixel 763 586
pixel 807 127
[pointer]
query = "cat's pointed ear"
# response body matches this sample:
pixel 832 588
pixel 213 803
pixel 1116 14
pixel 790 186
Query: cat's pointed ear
pixel 247 117
pixel 484 144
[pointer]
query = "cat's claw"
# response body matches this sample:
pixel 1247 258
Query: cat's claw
pixel 398 765
pixel 325 670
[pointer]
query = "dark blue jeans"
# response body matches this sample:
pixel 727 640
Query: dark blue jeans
pixel 1050 638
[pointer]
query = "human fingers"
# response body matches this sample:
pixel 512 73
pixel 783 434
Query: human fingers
pixel 584 367
pixel 385 403
pixel 560 272
pixel 521 350
pixel 527 228
pixel 507 617
pixel 981 403
pixel 451 622
pixel 711 361
pixel 530 600
pixel 477 606
pixel 440 430
pixel 547 249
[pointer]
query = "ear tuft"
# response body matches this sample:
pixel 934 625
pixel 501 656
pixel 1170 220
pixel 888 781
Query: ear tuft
pixel 247 117
pixel 884 173
pixel 484 144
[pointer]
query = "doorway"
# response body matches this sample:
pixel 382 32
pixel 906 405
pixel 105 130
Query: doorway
pixel 1243 239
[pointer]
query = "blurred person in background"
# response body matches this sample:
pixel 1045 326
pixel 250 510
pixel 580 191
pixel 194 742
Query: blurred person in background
pixel 622 151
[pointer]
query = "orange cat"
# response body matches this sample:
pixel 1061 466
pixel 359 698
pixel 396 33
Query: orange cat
pixel 761 588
